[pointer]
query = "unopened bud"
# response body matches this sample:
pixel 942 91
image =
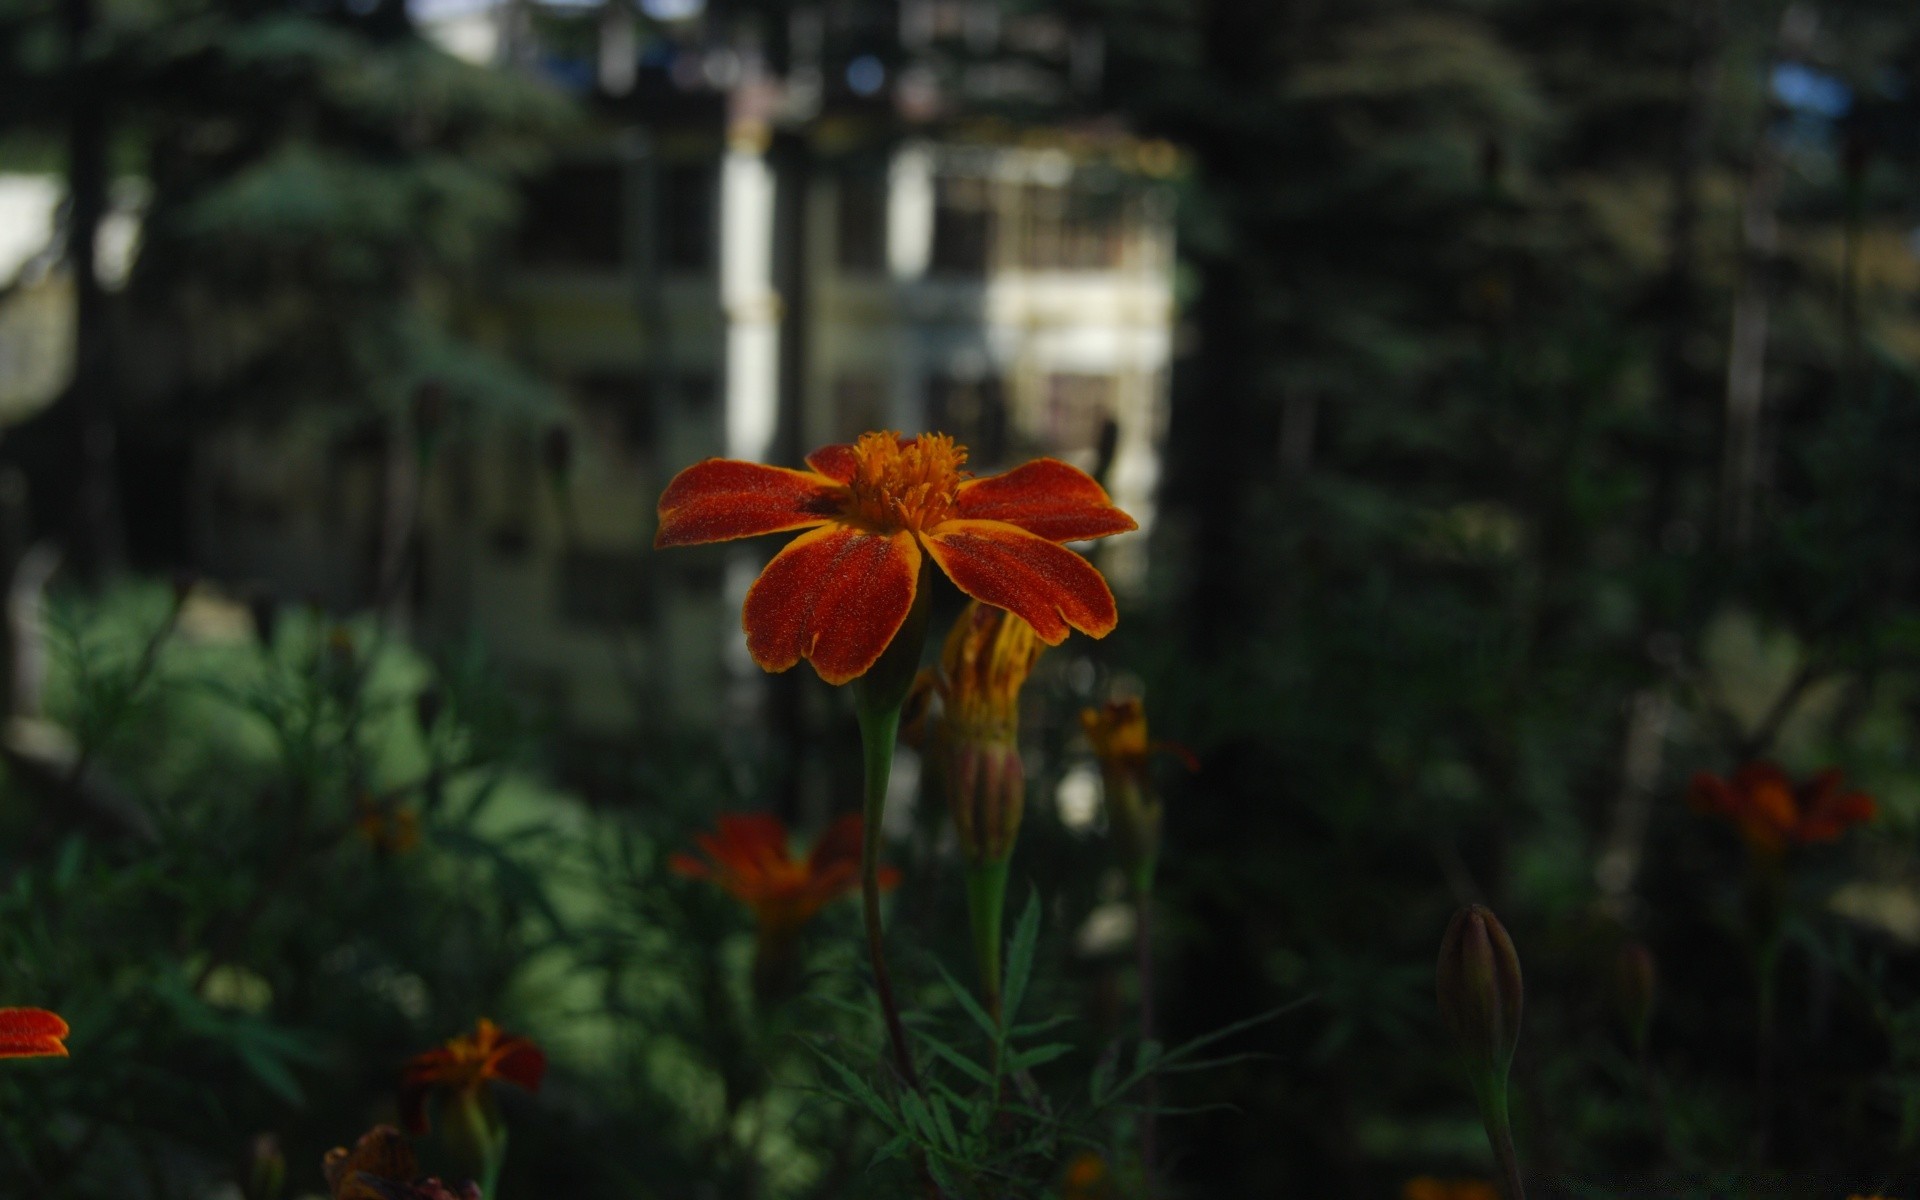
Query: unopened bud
pixel 1118 734
pixel 1480 992
pixel 986 661
pixel 987 791
pixel 1634 978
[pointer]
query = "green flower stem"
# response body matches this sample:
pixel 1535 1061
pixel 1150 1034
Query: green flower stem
pixel 986 906
pixel 1493 1113
pixel 877 732
pixel 479 1135
pixel 878 696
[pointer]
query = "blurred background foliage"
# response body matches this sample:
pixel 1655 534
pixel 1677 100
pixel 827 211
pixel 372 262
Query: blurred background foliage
pixel 1477 542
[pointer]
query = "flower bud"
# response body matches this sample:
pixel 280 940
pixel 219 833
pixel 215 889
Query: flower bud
pixel 1480 992
pixel 983 666
pixel 1118 734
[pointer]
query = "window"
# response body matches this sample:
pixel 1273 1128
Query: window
pixel 861 222
pixel 573 217
pixel 1070 229
pixel 962 226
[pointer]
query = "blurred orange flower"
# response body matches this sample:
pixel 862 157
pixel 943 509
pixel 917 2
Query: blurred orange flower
pixel 1773 812
pixel 464 1064
pixel 32 1033
pixel 839 592
pixel 1117 732
pixel 381 1166
pixel 1426 1187
pixel 749 859
pixel 1087 1178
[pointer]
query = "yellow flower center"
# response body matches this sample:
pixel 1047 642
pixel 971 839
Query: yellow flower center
pixel 899 486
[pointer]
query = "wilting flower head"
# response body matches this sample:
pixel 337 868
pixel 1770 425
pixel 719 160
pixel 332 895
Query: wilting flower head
pixel 838 593
pixel 381 1166
pixel 462 1067
pixel 750 860
pixel 1426 1187
pixel 987 658
pixel 1117 732
pixel 32 1033
pixel 1478 982
pixel 1773 812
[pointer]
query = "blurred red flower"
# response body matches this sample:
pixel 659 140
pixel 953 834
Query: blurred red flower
pixel 1773 812
pixel 750 860
pixel 839 592
pixel 464 1065
pixel 31 1033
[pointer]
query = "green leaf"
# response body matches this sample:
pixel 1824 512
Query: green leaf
pixel 1020 952
pixel 889 1150
pixel 966 1066
pixel 1026 1060
pixel 857 1089
pixel 970 1005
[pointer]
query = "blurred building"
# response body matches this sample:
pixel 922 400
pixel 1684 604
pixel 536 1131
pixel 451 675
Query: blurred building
pixel 775 238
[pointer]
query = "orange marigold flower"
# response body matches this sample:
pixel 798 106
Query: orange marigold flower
pixel 1773 812
pixel 839 592
pixel 381 1166
pixel 32 1033
pixel 749 859
pixel 464 1064
pixel 1426 1187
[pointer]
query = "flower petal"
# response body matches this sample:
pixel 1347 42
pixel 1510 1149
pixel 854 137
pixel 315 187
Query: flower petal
pixel 31 1033
pixel 1047 585
pixel 837 462
pixel 840 843
pixel 722 499
pixel 522 1063
pixel 834 596
pixel 1059 502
